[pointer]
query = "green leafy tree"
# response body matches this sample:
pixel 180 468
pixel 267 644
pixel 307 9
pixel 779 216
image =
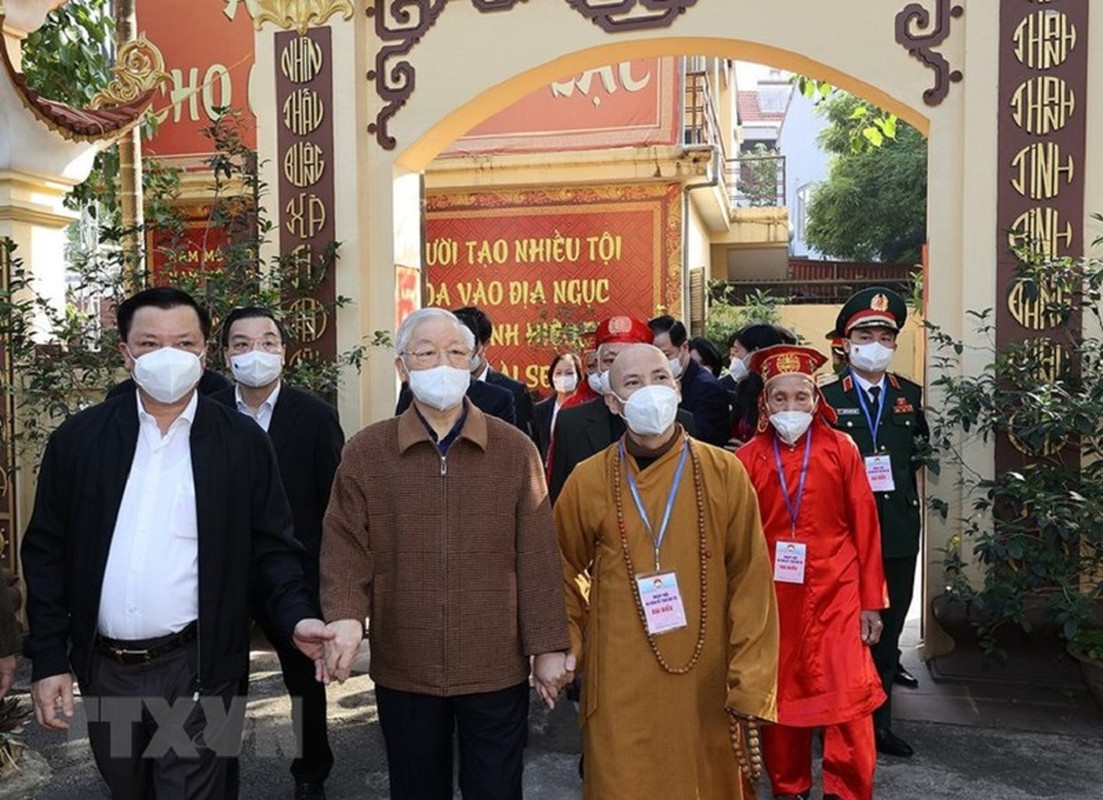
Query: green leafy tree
pixel 866 127
pixel 725 318
pixel 873 204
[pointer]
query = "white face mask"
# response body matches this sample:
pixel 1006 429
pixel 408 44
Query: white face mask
pixel 256 368
pixel 565 383
pixel 167 374
pixel 790 425
pixel 599 382
pixel 871 356
pixel 651 409
pixel 738 370
pixel 676 367
pixel 441 387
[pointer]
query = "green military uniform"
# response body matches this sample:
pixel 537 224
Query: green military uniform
pixel 901 429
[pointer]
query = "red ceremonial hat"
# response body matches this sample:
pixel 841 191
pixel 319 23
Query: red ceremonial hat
pixel 786 359
pixel 624 330
pixel 789 359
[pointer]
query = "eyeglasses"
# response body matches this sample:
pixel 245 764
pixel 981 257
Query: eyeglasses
pixel 456 356
pixel 269 344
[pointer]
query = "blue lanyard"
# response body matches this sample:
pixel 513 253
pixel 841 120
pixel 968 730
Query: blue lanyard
pixel 657 542
pixel 874 424
pixel 793 504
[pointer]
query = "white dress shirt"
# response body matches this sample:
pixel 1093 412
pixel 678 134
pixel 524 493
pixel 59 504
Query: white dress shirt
pixel 865 386
pixel 151 583
pixel 263 415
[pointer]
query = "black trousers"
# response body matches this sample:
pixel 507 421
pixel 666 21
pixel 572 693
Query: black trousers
pixel 152 740
pixel 900 577
pixel 308 715
pixel 417 729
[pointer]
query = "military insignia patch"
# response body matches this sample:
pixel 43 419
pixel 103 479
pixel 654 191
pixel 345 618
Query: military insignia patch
pixel 879 302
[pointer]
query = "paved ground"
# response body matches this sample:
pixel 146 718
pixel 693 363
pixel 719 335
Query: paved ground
pixel 982 743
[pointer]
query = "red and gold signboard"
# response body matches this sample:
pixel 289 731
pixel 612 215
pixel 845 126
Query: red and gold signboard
pixel 208 50
pixel 630 104
pixel 546 263
pixel 198 246
pixel 407 293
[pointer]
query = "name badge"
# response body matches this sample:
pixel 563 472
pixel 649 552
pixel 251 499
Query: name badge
pixel 661 601
pixel 879 472
pixel 789 560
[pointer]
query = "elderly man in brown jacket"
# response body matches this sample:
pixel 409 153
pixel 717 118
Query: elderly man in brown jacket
pixel 439 531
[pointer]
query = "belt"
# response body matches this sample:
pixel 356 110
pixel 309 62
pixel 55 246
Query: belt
pixel 145 651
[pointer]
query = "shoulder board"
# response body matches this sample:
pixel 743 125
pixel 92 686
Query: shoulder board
pixel 900 382
pixel 828 379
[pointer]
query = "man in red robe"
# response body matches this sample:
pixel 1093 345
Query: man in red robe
pixel 820 521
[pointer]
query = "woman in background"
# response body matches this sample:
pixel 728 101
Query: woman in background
pixel 565 376
pixel 705 353
pixel 746 386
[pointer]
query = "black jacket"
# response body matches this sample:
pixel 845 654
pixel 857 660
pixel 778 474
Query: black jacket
pixel 308 439
pixel 542 418
pixel 489 399
pixel 708 402
pixel 522 400
pixel 243 518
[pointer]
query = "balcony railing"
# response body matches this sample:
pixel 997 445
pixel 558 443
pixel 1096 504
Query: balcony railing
pixel 756 181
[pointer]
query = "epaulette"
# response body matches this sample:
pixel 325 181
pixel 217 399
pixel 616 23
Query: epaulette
pixel 899 381
pixel 827 379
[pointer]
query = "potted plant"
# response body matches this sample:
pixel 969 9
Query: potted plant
pixel 1023 568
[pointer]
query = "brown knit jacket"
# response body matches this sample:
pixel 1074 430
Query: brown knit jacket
pixel 454 561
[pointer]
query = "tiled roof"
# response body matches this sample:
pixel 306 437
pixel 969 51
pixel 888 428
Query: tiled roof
pixel 749 111
pixel 77 124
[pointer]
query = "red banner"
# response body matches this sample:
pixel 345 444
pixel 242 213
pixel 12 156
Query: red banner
pixel 630 104
pixel 548 265
pixel 208 50
pixel 197 246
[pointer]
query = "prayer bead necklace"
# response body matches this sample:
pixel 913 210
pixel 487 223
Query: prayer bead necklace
pixel 703 554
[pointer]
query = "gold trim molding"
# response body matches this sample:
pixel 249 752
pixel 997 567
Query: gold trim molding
pixel 299 14
pixel 139 68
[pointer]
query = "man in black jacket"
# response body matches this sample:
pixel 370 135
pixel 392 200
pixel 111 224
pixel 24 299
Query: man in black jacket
pixel 479 323
pixel 702 394
pixel 151 510
pixel 308 439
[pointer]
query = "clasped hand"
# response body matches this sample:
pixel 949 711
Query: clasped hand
pixel 551 672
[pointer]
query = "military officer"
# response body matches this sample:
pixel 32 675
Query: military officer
pixel 883 413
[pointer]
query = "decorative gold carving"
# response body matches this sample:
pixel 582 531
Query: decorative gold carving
pixel 1029 308
pixel 139 68
pixel 1051 359
pixel 303 112
pixel 303 164
pixel 1040 170
pixel 299 14
pixel 1043 105
pixel 307 318
pixel 301 60
pixel 1044 39
pixel 306 215
pixel 1041 230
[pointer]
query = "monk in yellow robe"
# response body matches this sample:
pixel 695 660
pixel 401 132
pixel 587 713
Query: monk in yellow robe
pixel 678 629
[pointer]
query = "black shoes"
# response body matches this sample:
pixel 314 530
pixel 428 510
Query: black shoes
pixel 892 745
pixel 305 790
pixel 905 678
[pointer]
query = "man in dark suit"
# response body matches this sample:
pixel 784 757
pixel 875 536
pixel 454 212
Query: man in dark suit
pixel 479 323
pixel 588 428
pixel 307 438
pixel 883 413
pixel 702 394
pixel 150 513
